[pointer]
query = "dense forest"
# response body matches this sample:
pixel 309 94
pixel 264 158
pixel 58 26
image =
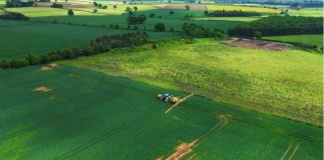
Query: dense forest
pixel 198 31
pixel 235 13
pixel 279 25
pixel 18 3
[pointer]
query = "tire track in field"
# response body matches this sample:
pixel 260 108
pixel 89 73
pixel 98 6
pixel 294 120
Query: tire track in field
pixel 283 156
pixel 288 150
pixel 59 118
pixel 109 134
pixel 268 127
pixel 296 148
pixel 185 148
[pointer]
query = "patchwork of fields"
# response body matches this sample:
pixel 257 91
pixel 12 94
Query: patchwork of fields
pixel 247 103
pixel 60 112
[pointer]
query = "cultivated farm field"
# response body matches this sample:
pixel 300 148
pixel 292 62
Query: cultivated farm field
pixel 44 37
pixel 285 83
pixel 243 8
pixel 64 112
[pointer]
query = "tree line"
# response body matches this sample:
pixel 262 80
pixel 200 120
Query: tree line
pixel 198 31
pixel 235 13
pixel 279 25
pixel 98 45
pixel 19 3
pixel 14 16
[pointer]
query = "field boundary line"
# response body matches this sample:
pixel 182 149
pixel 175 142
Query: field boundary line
pixel 183 99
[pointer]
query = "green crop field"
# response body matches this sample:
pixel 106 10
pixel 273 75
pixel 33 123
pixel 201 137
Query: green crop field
pixel 37 38
pixel 61 112
pixel 316 39
pixel 235 19
pixel 286 83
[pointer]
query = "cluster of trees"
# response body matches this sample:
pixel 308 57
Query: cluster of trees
pixel 140 19
pixel 235 13
pixel 198 31
pixel 279 25
pixel 56 5
pixel 99 45
pixel 131 11
pixel 130 39
pixel 188 16
pixel 14 16
pixel 100 6
pixel 19 3
pixel 160 27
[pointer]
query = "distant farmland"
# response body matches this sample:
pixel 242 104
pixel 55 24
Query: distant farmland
pixel 68 113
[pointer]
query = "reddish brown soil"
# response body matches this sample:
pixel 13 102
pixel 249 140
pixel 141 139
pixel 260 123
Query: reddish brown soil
pixel 182 150
pixel 50 66
pixel 44 68
pixel 258 44
pixel 42 88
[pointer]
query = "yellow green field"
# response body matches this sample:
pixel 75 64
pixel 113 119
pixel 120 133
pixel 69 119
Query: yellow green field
pixel 243 8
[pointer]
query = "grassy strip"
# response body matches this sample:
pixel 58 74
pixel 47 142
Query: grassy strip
pixel 313 39
pixel 280 83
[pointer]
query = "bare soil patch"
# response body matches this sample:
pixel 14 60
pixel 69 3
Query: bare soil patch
pixel 44 68
pixel 258 44
pixel 182 150
pixel 199 7
pixel 42 88
pixel 49 67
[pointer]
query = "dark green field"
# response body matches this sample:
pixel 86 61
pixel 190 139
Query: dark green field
pixel 41 38
pixel 312 39
pixel 69 113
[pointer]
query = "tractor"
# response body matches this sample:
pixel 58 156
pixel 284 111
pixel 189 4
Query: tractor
pixel 166 97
